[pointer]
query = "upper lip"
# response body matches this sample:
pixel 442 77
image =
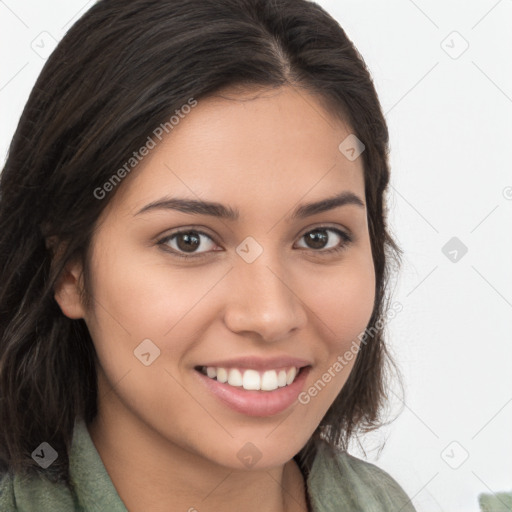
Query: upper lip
pixel 259 363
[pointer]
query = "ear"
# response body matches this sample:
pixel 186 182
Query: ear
pixel 68 290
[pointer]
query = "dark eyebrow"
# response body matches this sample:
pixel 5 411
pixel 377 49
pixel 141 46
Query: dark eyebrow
pixel 306 210
pixel 197 207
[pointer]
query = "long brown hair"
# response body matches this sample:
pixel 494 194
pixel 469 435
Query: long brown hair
pixel 123 68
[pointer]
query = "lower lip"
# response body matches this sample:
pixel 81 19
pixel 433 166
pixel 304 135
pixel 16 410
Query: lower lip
pixel 256 403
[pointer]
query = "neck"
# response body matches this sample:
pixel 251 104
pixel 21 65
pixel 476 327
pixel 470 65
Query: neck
pixel 151 473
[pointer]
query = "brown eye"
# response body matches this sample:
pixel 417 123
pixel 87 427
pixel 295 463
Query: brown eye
pixel 186 242
pixel 320 240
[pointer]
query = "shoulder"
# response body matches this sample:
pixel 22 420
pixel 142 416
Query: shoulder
pixel 7 503
pixel 31 492
pixel 340 479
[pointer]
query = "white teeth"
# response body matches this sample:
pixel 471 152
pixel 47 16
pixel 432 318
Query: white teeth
pixel 252 379
pixel 234 377
pixel 269 381
pixel 290 375
pixel 222 374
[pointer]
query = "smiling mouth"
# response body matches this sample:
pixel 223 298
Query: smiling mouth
pixel 250 379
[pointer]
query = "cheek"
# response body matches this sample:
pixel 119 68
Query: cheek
pixel 346 302
pixel 356 303
pixel 137 298
pixel 343 311
pixel 134 300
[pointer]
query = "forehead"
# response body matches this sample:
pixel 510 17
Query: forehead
pixel 248 148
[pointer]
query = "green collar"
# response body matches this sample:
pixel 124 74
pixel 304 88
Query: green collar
pixel 337 481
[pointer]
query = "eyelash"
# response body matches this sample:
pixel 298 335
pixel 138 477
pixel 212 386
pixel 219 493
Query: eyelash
pixel 346 240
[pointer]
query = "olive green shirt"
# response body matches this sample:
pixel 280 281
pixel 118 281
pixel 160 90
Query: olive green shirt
pixel 337 482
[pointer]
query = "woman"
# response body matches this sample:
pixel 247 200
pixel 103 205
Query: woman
pixel 194 259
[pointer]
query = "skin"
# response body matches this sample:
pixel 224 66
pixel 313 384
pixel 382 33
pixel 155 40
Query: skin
pixel 167 444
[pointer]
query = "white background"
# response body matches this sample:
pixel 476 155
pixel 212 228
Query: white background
pixel 451 126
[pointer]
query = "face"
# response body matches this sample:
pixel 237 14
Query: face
pixel 180 291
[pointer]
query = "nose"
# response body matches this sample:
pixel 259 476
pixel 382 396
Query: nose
pixel 262 300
